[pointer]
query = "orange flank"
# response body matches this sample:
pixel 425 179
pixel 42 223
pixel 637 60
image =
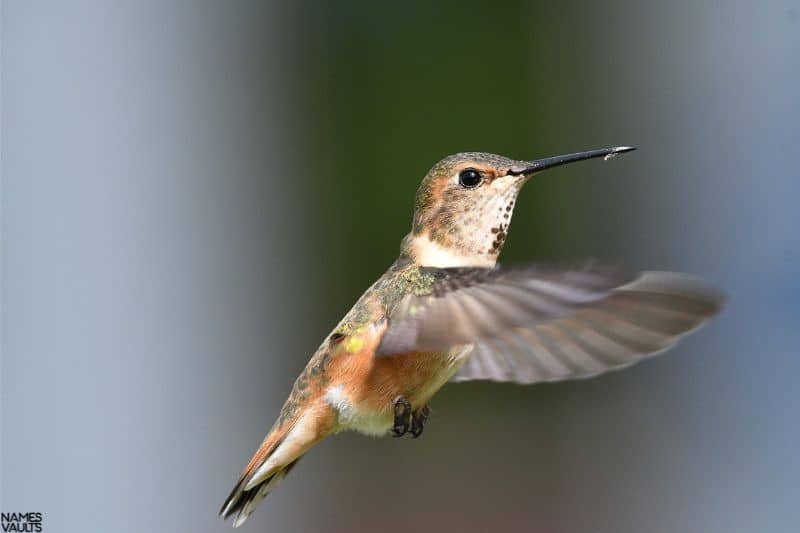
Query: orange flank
pixel 371 383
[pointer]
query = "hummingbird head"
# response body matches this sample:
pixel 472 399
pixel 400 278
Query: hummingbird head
pixel 463 206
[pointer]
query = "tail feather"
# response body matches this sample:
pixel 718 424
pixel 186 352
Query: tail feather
pixel 239 497
pixel 242 502
pixel 273 460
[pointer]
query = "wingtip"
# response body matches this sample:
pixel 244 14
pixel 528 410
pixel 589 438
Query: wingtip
pixel 688 285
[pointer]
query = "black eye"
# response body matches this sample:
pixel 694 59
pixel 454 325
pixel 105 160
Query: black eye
pixel 469 178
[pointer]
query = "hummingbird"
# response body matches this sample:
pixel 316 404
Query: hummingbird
pixel 444 312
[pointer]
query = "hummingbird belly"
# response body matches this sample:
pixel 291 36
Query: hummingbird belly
pixel 363 388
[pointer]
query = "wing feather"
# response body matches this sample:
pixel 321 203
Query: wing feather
pixel 538 324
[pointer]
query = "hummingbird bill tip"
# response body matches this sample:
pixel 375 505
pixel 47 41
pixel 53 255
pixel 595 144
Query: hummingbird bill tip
pixel 612 152
pixel 550 162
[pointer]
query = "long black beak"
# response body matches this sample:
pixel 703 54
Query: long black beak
pixel 550 162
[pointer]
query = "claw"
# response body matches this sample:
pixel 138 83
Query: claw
pixel 418 419
pixel 402 416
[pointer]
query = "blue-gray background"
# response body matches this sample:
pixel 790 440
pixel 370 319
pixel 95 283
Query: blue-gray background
pixel 193 193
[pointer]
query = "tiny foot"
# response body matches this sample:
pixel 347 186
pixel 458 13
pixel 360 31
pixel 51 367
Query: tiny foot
pixel 402 416
pixel 418 419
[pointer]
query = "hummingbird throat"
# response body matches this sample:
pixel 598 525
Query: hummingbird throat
pixel 463 236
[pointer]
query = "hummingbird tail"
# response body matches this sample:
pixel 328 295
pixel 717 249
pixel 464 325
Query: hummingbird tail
pixel 242 502
pixel 284 445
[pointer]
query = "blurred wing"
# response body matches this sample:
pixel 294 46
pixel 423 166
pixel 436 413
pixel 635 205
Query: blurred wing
pixel 467 304
pixel 534 324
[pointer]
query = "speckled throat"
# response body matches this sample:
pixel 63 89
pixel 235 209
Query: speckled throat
pixel 454 226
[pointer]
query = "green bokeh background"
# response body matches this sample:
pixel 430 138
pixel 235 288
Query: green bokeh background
pixel 389 90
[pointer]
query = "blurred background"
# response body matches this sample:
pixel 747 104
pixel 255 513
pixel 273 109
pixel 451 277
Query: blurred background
pixel 193 194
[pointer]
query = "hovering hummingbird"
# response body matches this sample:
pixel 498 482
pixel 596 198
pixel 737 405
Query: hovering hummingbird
pixel 444 312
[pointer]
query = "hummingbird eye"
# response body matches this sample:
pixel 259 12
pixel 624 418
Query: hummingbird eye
pixel 469 178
